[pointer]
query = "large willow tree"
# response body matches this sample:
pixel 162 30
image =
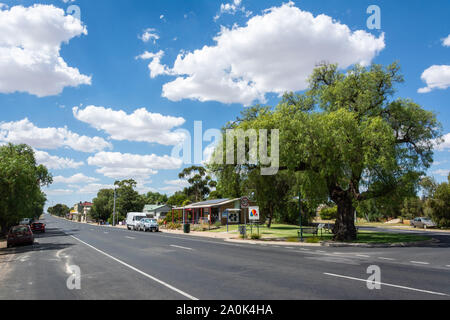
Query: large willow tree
pixel 350 138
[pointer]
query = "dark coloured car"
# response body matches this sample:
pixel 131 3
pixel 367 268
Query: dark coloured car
pixel 38 227
pixel 20 235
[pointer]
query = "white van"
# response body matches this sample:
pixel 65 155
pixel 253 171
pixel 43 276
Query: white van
pixel 133 218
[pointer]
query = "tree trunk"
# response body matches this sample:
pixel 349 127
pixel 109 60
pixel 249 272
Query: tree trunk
pixel 344 229
pixel 270 217
pixel 4 229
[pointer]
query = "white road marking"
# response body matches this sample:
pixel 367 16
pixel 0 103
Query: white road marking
pixel 130 238
pixel 139 271
pixel 420 262
pixel 388 259
pixel 303 249
pixel 288 248
pixel 362 256
pixel 105 232
pixel 179 247
pixel 386 284
pixel 321 251
pixel 448 266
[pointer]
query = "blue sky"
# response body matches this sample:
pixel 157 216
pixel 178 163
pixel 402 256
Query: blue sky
pixel 164 58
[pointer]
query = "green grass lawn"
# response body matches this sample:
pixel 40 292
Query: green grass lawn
pixel 290 234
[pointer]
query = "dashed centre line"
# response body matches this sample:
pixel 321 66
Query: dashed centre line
pixel 388 259
pixel 180 247
pixel 420 262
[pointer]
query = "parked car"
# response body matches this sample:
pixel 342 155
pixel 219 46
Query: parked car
pixel 148 224
pixel 38 227
pixel 20 235
pixel 133 219
pixel 26 222
pixel 422 222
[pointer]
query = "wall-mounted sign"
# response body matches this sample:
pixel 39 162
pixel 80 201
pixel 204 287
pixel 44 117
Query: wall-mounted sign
pixel 253 213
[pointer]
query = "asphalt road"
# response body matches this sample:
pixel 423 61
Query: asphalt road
pixel 122 264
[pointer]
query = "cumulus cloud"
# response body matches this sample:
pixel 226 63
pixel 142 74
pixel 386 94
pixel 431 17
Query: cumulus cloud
pixel 54 162
pixel 444 144
pixel 442 172
pixel 140 126
pixel 446 41
pixel 274 53
pixel 77 178
pixel 149 34
pixel 30 43
pixel 155 66
pixel 436 77
pixel 118 165
pixel 232 8
pixel 24 131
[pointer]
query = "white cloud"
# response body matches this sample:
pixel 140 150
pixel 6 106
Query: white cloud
pixel 155 66
pixel 436 77
pixel 149 34
pixel 30 43
pixel 140 126
pixel 77 178
pixel 93 188
pixel 178 183
pixel 442 172
pixel 124 165
pixel 59 192
pixel 54 162
pixel 232 8
pixel 446 41
pixel 274 53
pixel 49 138
pixel 445 144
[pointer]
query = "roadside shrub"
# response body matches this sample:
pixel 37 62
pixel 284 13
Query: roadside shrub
pixel 173 226
pixel 255 236
pixel 312 240
pixel 328 213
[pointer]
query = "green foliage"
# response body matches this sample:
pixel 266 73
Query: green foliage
pixel 255 236
pixel 440 205
pixel 21 180
pixel 59 210
pixel 349 139
pixel 128 199
pixel 412 208
pixel 200 183
pixel 103 205
pixel 173 226
pixel 328 213
pixel 155 198
pixel 177 199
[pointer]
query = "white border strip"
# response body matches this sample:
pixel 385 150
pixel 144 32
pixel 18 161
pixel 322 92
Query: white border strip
pixel 386 284
pixel 139 271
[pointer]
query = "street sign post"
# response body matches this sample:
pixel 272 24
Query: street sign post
pixel 245 202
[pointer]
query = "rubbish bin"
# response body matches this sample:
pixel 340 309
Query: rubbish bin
pixel 187 228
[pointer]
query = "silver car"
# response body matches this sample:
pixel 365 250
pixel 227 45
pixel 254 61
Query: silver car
pixel 422 222
pixel 148 224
